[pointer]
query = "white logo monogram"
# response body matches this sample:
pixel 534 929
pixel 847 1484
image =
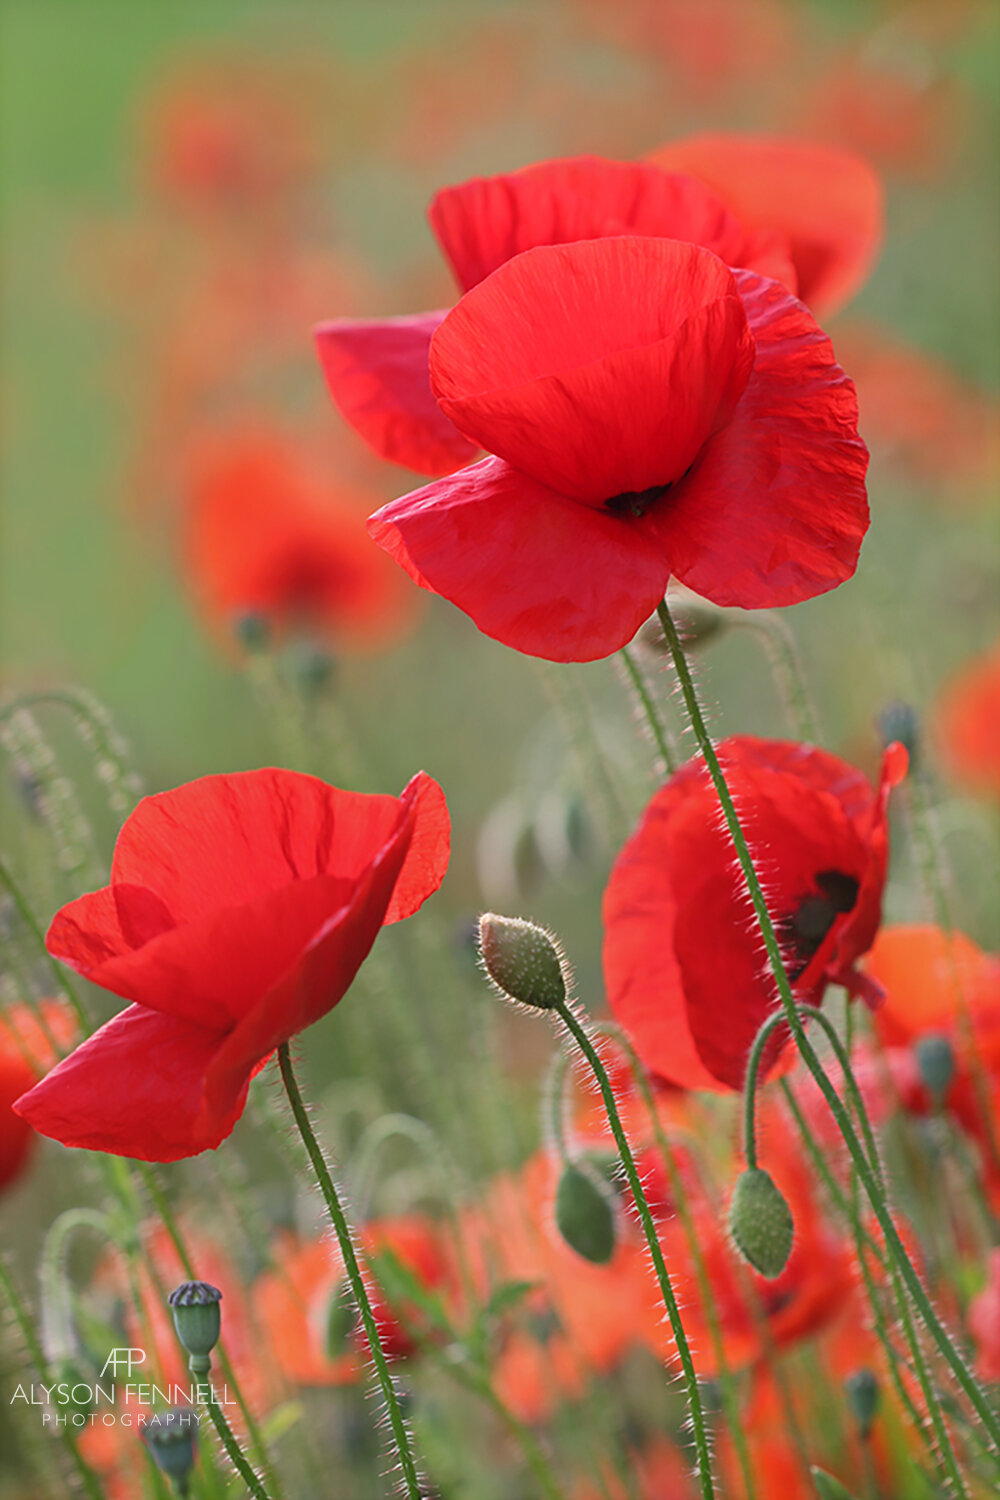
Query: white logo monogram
pixel 123 1359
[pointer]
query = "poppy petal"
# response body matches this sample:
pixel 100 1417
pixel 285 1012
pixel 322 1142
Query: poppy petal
pixel 598 368
pixel 827 201
pixel 376 371
pixel 135 1089
pixel 486 221
pixel 775 509
pixel 534 569
pixel 428 849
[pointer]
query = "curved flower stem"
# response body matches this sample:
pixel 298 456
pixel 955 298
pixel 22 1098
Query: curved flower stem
pixel 894 1245
pixel 786 669
pixel 727 1387
pixel 657 728
pixel 519 1431
pixel 89 1480
pixel 353 1270
pixel 947 1452
pixel 586 1046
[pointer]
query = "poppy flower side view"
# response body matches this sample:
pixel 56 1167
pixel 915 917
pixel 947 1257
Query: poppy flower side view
pixel 239 911
pixel 652 414
pixel 684 972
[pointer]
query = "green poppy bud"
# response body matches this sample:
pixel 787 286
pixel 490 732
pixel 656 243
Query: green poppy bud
pixel 523 961
pixel 170 1438
pixel 899 722
pixel 585 1214
pixel 253 631
pixel 862 1395
pixel 936 1061
pixel 309 666
pixel 761 1223
pixel 198 1320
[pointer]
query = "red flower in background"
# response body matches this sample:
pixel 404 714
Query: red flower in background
pixel 239 911
pixel 653 414
pixel 684 968
pixel 984 1322
pixel 28 1042
pixel 305 1309
pixel 377 369
pixel 969 724
pixel 263 536
pixel 826 203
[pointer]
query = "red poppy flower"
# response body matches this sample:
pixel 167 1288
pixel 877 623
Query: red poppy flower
pixel 261 536
pixel 239 911
pixel 313 1331
pixel 970 724
pixel 683 964
pixel 826 201
pixel 377 370
pixel 26 1050
pixel 653 414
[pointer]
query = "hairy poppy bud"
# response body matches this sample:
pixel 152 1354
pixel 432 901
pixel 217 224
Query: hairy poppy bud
pixel 936 1061
pixel 828 1488
pixel 862 1395
pixel 585 1214
pixel 761 1223
pixel 899 722
pixel 198 1320
pixel 169 1436
pixel 523 961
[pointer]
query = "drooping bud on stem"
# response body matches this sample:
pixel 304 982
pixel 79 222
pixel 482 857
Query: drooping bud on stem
pixel 198 1320
pixel 523 961
pixel 170 1438
pixel 862 1396
pixel 936 1062
pixel 761 1223
pixel 585 1213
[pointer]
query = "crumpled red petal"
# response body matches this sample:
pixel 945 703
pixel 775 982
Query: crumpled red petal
pixel 775 508
pixel 597 368
pixel 534 569
pixel 376 371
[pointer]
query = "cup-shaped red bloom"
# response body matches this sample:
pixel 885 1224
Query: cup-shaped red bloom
pixel 377 369
pixel 823 202
pixel 654 414
pixel 684 967
pixel 239 911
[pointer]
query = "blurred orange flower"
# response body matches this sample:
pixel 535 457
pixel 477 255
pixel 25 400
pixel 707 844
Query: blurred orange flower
pixel 31 1042
pixel 969 724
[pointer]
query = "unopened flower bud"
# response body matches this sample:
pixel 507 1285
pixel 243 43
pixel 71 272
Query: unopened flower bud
pixel 170 1437
pixel 862 1395
pixel 899 722
pixel 253 630
pixel 936 1061
pixel 761 1223
pixel 523 961
pixel 585 1215
pixel 828 1488
pixel 198 1320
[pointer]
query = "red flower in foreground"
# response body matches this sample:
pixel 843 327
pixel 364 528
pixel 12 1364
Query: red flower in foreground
pixel 684 966
pixel 262 537
pixel 239 911
pixel 970 723
pixel 825 201
pixel 377 369
pixel 653 415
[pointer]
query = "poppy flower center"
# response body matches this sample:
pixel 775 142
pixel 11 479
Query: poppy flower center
pixel 816 913
pixel 636 502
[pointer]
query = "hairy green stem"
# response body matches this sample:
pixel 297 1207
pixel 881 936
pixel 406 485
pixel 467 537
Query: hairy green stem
pixel 894 1245
pixel 343 1232
pixel 657 728
pixel 586 1046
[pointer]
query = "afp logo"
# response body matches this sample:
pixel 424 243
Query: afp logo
pixel 123 1359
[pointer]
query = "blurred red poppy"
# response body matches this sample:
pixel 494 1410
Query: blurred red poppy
pixel 653 414
pixel 305 1308
pixel 28 1046
pixel 969 724
pixel 984 1322
pixel 683 964
pixel 377 369
pixel 239 911
pixel 825 201
pixel 263 537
